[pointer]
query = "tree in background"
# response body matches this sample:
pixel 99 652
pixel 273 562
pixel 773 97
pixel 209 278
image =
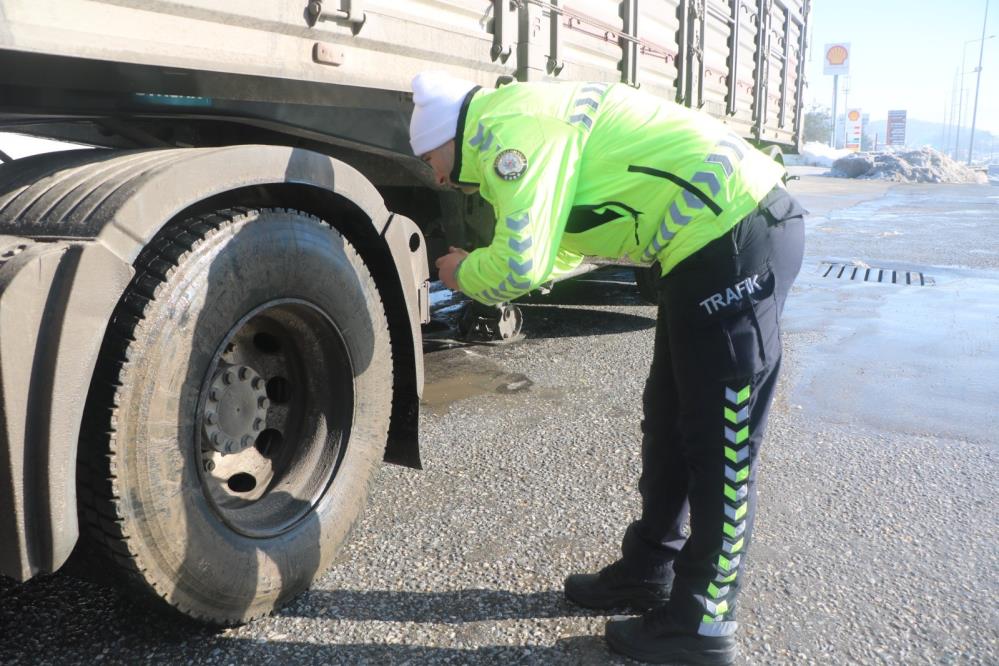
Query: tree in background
pixel 817 124
pixel 867 140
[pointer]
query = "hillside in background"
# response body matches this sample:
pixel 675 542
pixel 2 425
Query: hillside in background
pixel 919 133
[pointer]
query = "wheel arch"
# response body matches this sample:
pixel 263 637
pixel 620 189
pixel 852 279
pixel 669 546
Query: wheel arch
pixel 370 239
pixel 774 151
pixel 88 214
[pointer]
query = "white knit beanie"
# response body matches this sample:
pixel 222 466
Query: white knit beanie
pixel 438 98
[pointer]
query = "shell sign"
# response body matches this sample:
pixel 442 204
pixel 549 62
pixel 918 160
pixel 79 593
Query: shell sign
pixel 837 59
pixel 854 129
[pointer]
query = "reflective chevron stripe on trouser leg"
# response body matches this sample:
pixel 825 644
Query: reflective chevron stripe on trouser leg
pixel 735 488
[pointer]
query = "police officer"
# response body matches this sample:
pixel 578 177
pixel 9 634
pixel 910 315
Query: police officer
pixel 576 169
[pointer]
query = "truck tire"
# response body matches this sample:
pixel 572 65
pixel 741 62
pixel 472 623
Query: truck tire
pixel 238 413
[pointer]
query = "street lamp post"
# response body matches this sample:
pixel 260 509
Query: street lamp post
pixel 978 82
pixel 960 89
pixel 952 115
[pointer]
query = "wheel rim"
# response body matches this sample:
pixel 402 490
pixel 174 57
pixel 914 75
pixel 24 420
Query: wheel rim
pixel 274 417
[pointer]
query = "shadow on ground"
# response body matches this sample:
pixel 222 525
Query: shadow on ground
pixel 577 650
pixel 544 321
pixel 606 287
pixel 432 607
pixel 71 620
pixel 76 621
pixel 548 321
pixel 562 312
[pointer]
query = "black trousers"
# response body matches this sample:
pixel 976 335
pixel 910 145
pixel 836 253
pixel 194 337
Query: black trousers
pixel 716 360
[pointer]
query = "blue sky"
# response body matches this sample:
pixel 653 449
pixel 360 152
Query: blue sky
pixel 904 55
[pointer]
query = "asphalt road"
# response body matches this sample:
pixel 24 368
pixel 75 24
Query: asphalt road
pixel 876 536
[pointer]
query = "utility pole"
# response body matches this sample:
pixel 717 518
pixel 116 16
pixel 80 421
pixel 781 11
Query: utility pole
pixel 846 106
pixel 836 62
pixel 835 96
pixel 960 98
pixel 949 122
pixel 943 128
pixel 978 82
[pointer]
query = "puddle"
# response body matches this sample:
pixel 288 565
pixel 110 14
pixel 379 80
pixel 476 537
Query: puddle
pixel 462 374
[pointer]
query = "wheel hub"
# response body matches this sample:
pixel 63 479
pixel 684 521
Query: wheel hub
pixel 277 406
pixel 236 409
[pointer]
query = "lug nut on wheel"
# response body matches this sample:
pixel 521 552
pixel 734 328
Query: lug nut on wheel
pixel 236 409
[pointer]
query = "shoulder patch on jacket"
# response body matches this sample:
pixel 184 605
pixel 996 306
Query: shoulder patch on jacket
pixel 510 164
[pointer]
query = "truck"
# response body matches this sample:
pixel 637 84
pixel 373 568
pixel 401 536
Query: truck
pixel 211 313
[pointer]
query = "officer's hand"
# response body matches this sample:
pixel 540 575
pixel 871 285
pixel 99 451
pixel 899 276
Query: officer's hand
pixel 448 265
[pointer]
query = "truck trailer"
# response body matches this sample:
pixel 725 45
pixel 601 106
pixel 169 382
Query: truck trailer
pixel 211 312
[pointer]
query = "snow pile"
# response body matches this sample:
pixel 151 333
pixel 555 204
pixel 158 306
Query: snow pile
pixel 925 165
pixel 814 153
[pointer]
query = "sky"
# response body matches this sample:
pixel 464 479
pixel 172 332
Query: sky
pixel 904 54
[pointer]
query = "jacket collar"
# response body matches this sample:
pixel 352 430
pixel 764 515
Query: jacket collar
pixel 470 178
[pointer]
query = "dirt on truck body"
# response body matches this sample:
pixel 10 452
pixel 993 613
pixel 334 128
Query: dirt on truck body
pixel 210 322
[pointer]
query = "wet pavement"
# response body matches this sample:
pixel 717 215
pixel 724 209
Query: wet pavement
pixel 876 537
pixel 905 359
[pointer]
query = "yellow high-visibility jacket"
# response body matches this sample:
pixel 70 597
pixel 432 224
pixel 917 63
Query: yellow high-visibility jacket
pixel 596 169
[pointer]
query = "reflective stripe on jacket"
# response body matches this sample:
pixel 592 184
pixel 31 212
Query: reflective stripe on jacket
pixel 610 172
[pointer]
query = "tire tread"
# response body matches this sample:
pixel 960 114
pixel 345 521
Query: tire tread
pixel 103 523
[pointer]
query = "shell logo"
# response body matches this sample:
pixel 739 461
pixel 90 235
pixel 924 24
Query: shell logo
pixel 837 55
pixel 854 116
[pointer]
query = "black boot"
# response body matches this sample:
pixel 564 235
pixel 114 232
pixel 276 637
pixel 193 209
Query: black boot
pixel 651 640
pixel 614 587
